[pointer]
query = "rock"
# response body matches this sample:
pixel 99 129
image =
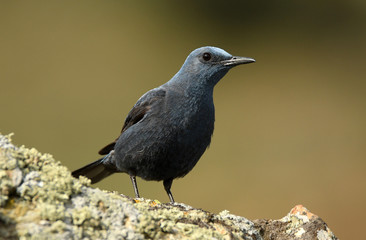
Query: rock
pixel 39 199
pixel 298 224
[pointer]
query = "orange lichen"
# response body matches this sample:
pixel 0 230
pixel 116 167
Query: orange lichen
pixel 300 209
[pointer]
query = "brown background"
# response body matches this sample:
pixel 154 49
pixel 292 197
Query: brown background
pixel 290 129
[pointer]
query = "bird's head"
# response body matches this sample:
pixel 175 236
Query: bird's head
pixel 209 64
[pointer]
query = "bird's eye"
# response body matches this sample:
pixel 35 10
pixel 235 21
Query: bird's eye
pixel 206 56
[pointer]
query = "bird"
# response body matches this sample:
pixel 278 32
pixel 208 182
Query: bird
pixel 170 127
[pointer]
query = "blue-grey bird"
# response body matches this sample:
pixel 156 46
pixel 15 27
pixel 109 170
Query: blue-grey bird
pixel 170 127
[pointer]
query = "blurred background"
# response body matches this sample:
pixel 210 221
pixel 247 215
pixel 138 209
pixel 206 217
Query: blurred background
pixel 290 129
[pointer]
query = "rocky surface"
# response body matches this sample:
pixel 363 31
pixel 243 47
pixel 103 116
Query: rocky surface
pixel 39 199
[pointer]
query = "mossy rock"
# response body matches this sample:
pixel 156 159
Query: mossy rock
pixel 39 199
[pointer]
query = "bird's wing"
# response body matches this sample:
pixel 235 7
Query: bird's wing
pixel 138 111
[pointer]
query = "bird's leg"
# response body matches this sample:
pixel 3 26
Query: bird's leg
pixel 134 183
pixel 167 185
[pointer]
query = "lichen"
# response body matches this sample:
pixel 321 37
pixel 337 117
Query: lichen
pixel 39 199
pixel 179 221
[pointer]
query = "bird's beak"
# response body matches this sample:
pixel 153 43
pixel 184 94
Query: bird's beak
pixel 237 61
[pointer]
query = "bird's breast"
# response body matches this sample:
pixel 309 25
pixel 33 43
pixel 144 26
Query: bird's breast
pixel 195 121
pixel 168 142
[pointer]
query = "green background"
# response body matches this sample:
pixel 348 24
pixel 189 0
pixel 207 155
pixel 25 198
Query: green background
pixel 290 129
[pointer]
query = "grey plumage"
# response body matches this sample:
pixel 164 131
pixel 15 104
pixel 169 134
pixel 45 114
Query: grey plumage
pixel 170 127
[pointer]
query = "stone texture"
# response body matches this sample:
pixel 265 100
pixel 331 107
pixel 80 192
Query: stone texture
pixel 298 224
pixel 39 199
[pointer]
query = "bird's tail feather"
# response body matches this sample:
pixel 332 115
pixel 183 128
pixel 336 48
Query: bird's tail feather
pixel 95 171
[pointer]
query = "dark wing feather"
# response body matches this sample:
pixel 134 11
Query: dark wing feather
pixel 138 111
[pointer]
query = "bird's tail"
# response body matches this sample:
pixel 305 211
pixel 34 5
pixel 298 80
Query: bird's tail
pixel 95 171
